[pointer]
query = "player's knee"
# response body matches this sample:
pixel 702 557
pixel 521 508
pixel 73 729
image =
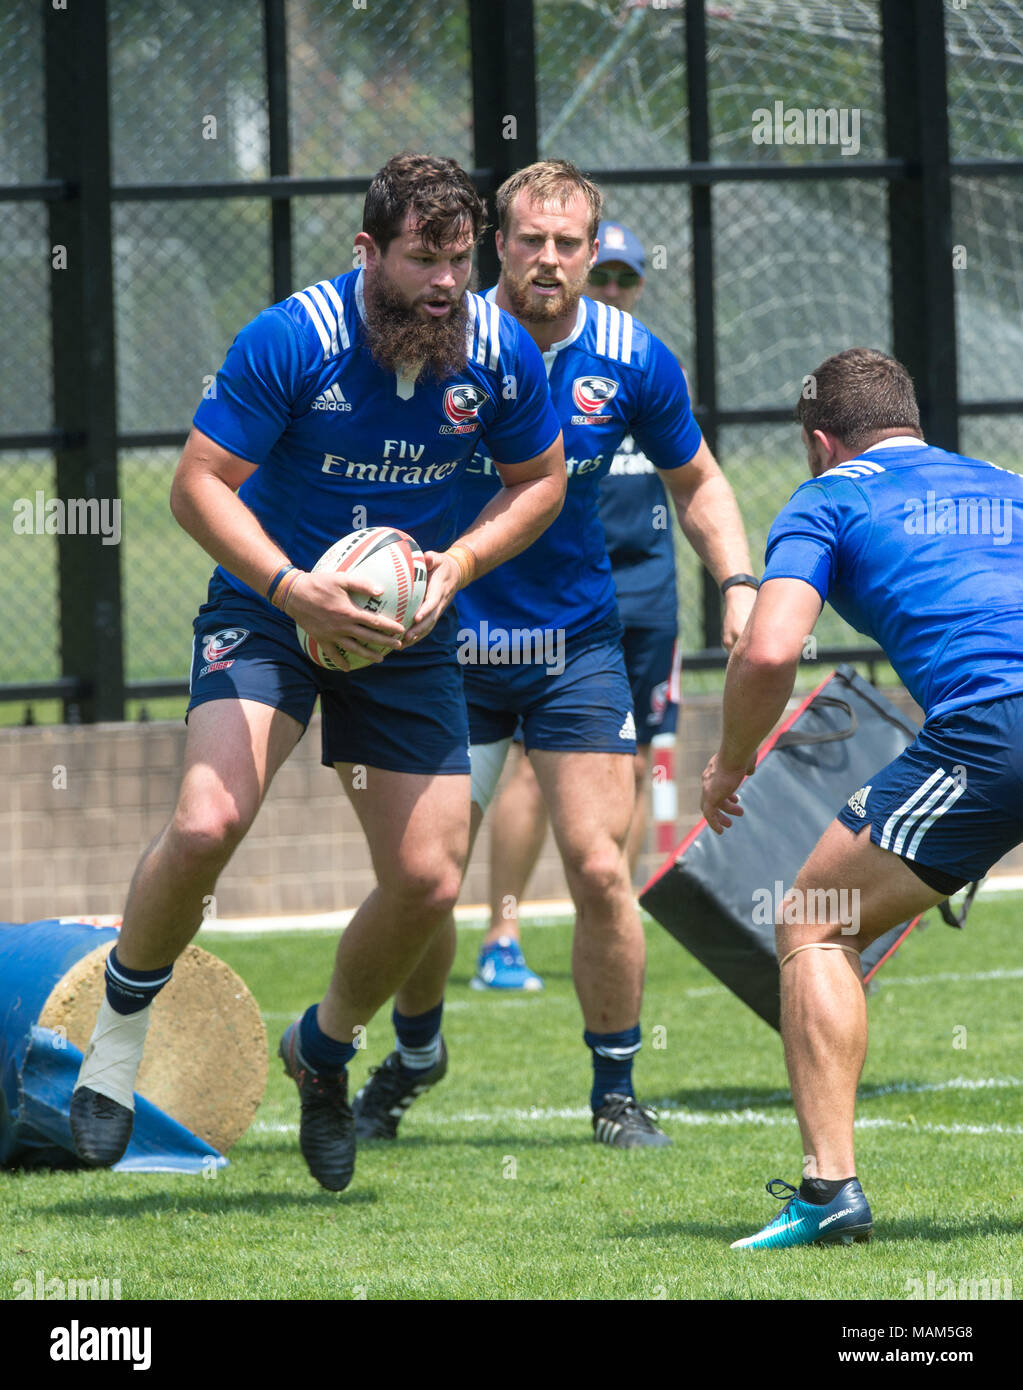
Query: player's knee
pixel 425 890
pixel 208 835
pixel 599 872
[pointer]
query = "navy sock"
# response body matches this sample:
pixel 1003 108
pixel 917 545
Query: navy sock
pixel 612 1063
pixel 418 1038
pixel 323 1053
pixel 821 1191
pixel 129 991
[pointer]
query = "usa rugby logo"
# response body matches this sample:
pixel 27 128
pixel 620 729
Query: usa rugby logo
pixel 462 405
pixel 590 393
pixel 217 645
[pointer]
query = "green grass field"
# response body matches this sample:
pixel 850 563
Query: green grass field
pixel 496 1190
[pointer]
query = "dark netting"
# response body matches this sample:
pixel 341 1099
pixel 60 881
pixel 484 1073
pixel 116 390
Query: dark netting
pixel 164 572
pixel 611 83
pixel 988 259
pixel 22 127
pixel 187 91
pixel 365 84
pixel 771 62
pixel 801 271
pixel 984 56
pixel 28 577
pixel 997 438
pixel 187 276
pixel 26 364
pixel 323 231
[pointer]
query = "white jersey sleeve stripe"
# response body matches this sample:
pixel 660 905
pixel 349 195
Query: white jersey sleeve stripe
pixel 320 299
pixel 615 317
pixel 626 355
pixel 335 299
pixel 601 328
pixel 481 331
pixel 495 337
pixel 470 327
pixel 311 310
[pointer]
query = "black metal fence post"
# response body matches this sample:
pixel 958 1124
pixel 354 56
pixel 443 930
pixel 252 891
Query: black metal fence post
pixel 276 46
pixel 505 125
pixel 701 205
pixel 920 211
pixel 84 383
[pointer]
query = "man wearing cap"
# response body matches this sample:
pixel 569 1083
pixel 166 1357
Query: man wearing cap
pixel 640 545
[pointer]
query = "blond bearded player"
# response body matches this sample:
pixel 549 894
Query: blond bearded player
pixel 359 397
pixel 609 377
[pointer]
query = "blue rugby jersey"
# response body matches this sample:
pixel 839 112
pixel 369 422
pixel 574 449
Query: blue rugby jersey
pixel 636 512
pixel 342 444
pixel 922 550
pixel 610 377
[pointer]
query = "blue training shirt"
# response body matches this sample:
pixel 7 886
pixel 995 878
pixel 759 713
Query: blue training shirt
pixel 610 377
pixel 342 444
pixel 636 514
pixel 922 550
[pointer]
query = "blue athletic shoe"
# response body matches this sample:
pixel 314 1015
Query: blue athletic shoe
pixel 843 1220
pixel 502 965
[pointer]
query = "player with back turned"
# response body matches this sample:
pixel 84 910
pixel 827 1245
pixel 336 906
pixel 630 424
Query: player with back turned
pixel 609 376
pixel 921 550
pixel 355 402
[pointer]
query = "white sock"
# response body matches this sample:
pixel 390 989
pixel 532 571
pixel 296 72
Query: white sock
pixel 112 1059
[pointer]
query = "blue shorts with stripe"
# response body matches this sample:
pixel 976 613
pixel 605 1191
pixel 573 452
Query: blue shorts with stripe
pixel 953 801
pixel 575 698
pixel 405 714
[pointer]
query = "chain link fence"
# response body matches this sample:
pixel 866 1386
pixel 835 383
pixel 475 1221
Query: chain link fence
pixel 801 255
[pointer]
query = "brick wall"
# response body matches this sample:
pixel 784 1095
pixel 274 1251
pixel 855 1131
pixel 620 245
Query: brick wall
pixel 79 803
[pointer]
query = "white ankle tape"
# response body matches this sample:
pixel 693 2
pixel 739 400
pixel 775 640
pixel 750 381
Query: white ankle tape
pixel 819 946
pixel 111 1060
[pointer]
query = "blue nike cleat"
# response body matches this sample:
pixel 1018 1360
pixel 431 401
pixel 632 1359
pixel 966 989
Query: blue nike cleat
pixel 501 965
pixel 844 1219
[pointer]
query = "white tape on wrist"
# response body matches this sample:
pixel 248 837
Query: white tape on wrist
pixel 112 1059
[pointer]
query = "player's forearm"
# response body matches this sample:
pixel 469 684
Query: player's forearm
pixel 218 520
pixel 513 520
pixel 712 524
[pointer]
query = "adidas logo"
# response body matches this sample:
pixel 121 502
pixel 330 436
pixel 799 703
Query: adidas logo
pixel 331 399
pixel 858 801
pixel 628 729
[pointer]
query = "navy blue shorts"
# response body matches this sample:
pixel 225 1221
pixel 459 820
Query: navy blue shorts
pixel 401 716
pixel 651 663
pixel 577 701
pixel 953 801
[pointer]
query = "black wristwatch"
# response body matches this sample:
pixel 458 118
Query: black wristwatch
pixel 740 579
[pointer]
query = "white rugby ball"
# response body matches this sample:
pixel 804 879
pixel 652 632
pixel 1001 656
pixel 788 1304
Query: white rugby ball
pixel 386 557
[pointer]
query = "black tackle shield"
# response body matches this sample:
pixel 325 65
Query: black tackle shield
pixel 716 894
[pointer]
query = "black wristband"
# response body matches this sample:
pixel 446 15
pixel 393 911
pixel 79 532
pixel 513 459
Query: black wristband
pixel 740 579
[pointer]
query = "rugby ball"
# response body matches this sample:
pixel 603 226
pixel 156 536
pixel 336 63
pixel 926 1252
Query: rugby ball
pixel 386 557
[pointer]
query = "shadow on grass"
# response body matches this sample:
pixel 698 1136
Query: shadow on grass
pixel 145 1203
pixel 744 1097
pixel 885 1232
pixel 459 978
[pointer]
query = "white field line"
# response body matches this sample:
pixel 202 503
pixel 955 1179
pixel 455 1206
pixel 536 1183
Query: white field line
pixel 728 1120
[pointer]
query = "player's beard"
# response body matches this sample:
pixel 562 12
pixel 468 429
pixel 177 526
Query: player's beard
pixel 529 308
pixel 400 338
